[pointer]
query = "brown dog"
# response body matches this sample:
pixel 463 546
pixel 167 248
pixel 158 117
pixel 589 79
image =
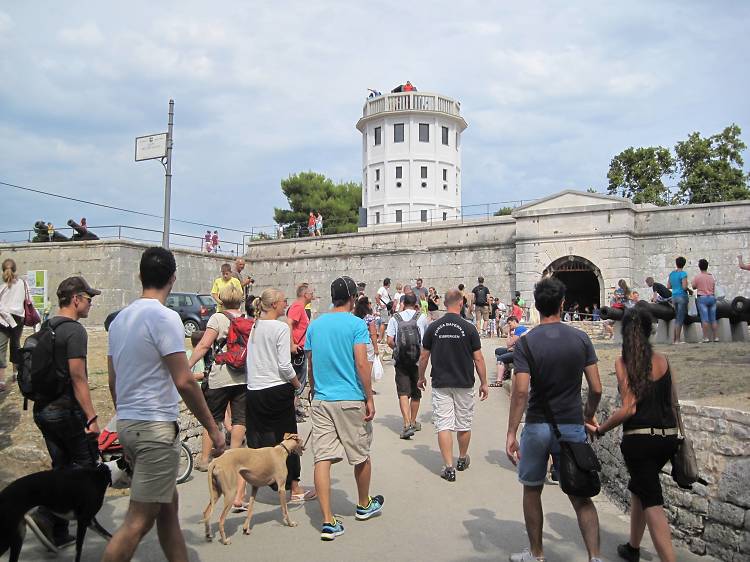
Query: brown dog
pixel 259 467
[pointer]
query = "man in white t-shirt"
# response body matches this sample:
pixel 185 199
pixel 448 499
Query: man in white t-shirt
pixel 148 373
pixel 383 306
pixel 405 366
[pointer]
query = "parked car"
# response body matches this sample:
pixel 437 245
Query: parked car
pixel 194 309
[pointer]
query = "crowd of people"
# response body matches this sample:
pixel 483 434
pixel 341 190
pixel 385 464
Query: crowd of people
pixel 258 355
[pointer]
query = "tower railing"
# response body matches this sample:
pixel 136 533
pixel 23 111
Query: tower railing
pixel 411 101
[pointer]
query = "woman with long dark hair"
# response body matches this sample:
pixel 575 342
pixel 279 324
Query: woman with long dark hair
pixel 649 431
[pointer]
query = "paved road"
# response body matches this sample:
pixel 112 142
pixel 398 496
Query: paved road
pixel 478 517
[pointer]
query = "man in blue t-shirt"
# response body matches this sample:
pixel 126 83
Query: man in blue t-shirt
pixel 677 282
pixel 504 355
pixel 342 403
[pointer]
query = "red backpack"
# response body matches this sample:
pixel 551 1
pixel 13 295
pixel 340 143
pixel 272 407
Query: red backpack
pixel 234 355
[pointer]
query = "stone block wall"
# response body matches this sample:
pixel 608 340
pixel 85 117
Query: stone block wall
pixel 713 519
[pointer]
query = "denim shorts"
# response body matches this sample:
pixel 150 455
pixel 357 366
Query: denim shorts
pixel 707 308
pixel 680 308
pixel 538 442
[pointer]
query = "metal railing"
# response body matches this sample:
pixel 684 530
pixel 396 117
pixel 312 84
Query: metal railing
pixel 136 234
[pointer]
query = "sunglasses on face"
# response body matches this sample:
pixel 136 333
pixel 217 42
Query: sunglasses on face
pixel 87 297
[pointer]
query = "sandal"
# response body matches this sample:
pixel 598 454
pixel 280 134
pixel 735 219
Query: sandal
pixel 239 508
pixel 496 384
pixel 303 497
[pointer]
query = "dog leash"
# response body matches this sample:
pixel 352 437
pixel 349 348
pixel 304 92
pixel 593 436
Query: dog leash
pixel 304 445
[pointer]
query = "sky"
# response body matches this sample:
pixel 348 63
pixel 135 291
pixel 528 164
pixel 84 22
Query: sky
pixel 551 91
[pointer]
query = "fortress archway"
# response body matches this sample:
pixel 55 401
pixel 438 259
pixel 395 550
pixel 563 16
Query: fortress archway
pixel 583 280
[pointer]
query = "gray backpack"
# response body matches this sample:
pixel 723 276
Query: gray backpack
pixel 408 342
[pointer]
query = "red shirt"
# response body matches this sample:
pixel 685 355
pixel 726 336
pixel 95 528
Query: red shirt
pixel 298 316
pixel 517 313
pixel 408 88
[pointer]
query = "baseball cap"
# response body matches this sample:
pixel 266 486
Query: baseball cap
pixel 343 288
pixel 361 284
pixel 74 285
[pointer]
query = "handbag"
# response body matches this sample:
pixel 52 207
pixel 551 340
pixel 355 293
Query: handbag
pixel 579 466
pixel 684 463
pixel 377 369
pixel 30 315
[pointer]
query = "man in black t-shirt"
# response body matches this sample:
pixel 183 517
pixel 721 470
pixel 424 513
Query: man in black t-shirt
pixel 481 305
pixel 661 293
pixel 453 343
pixel 561 355
pixel 68 423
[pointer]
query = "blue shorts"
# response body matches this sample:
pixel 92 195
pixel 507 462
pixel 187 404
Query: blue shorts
pixel 538 442
pixel 680 309
pixel 707 308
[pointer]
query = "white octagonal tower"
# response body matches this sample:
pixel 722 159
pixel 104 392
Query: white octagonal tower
pixel 411 158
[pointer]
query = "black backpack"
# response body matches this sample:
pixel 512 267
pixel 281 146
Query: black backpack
pixel 408 342
pixel 39 379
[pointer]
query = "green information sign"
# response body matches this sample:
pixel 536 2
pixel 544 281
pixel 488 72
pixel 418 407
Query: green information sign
pixel 37 281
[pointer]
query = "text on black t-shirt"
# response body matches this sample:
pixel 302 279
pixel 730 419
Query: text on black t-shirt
pixel 452 341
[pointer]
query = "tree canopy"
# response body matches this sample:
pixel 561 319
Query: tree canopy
pixel 710 169
pixel 309 191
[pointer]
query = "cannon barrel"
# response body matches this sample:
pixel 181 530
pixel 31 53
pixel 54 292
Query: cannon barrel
pixel 741 307
pixel 665 312
pixel 81 233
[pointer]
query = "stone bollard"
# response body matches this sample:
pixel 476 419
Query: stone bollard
pixel 739 332
pixel 664 331
pixel 693 332
pixel 725 330
pixel 617 328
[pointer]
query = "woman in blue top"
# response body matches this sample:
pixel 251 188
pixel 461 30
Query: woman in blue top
pixel 678 282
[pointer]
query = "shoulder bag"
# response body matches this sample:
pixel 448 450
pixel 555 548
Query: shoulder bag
pixel 30 315
pixel 579 466
pixel 684 463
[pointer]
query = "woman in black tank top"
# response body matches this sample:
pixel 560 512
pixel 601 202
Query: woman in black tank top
pixel 649 432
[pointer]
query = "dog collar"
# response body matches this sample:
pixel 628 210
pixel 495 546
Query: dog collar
pixel 288 452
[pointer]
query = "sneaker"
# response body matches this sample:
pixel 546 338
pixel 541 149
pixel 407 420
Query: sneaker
pixel 373 508
pixel 407 432
pixel 627 552
pixel 525 556
pixel 463 463
pixel 449 474
pixel 330 531
pixel 595 560
pixel 416 426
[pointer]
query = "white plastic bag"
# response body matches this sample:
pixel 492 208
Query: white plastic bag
pixel 377 369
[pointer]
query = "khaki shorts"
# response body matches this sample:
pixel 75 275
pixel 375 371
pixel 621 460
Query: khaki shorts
pixel 153 448
pixel 452 409
pixel 483 311
pixel 340 428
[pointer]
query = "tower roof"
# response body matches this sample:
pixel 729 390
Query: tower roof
pixel 411 102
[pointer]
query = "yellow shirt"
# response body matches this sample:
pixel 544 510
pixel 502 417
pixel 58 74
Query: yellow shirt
pixel 219 284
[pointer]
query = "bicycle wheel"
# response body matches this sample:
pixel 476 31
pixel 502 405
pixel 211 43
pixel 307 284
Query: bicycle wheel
pixel 186 464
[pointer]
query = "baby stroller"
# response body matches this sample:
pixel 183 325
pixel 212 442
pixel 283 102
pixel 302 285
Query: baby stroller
pixel 111 449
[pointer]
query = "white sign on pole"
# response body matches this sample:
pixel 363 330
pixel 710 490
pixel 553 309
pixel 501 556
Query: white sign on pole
pixel 151 147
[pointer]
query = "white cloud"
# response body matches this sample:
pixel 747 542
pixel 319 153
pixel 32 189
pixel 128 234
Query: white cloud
pixel 85 35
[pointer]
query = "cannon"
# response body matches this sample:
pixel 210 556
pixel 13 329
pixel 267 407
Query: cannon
pixel 81 232
pixel 732 320
pixel 41 234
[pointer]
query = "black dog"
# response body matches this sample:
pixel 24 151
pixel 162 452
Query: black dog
pixel 72 493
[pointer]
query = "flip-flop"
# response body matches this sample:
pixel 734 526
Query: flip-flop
pixel 239 508
pixel 301 498
pixel 496 384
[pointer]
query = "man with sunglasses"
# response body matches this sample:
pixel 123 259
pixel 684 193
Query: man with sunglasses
pixel 68 422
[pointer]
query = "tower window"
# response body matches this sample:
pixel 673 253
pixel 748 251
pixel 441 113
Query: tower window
pixel 423 171
pixel 378 135
pixel 445 216
pixel 399 172
pixel 398 215
pixel 424 132
pixel 398 132
pixel 423 215
pixel 458 138
pixel 377 174
pixel 377 217
pixel 445 187
pixel 445 136
pixel 445 174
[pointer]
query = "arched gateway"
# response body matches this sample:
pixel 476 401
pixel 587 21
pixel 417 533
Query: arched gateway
pixel 583 280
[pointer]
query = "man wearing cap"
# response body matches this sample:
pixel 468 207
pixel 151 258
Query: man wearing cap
pixel 342 403
pixel 68 423
pixel 361 286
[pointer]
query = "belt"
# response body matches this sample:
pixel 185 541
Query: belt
pixel 661 432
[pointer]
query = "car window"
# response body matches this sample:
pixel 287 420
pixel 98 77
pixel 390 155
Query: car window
pixel 206 300
pixel 185 300
pixel 172 301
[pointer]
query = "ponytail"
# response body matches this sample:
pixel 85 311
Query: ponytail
pixel 9 272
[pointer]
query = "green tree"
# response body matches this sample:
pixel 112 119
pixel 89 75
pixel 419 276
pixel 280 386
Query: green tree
pixel 503 211
pixel 309 191
pixel 711 167
pixel 637 173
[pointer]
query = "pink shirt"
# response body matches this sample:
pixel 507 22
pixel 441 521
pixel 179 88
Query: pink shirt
pixel 704 283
